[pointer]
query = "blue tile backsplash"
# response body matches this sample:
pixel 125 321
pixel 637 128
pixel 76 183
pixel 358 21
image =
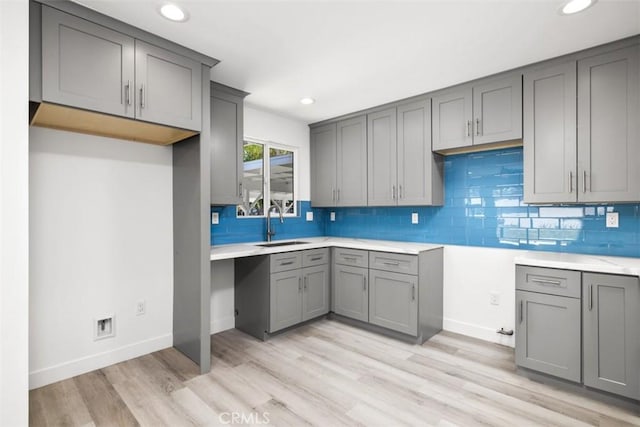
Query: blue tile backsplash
pixel 483 207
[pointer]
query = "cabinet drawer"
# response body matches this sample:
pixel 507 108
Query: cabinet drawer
pixel 354 257
pixel 548 281
pixel 315 257
pixel 285 261
pixel 407 264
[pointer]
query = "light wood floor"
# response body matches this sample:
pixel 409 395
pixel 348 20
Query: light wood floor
pixel 327 374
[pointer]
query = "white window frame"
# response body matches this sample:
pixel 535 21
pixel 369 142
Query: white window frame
pixel 266 177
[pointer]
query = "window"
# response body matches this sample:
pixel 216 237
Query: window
pixel 268 179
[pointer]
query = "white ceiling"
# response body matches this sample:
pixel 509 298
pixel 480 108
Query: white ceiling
pixel 351 55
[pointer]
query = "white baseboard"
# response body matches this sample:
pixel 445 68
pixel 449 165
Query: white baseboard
pixel 476 331
pixel 219 325
pixel 82 365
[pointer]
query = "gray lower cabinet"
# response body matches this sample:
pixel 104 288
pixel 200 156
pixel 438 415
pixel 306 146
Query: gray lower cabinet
pixel 226 144
pixel 611 333
pixel 339 163
pixel 92 67
pixel 393 301
pixel 315 291
pixel 586 151
pixel 351 291
pixel 487 111
pixel 285 299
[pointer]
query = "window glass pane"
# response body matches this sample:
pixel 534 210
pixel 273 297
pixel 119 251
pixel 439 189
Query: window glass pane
pixel 252 180
pixel 281 180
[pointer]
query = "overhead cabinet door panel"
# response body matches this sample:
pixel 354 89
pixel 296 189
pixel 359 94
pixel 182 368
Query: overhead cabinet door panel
pixel 168 87
pixel 381 151
pixel 497 110
pixel 351 174
pixel 452 116
pixel 608 120
pixel 86 65
pixel 323 165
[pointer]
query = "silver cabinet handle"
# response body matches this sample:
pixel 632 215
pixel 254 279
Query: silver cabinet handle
pixel 338 195
pixel 394 264
pixel 318 258
pixel 546 282
pixel 333 194
pixel 393 192
pixel 400 192
pixel 521 316
pixel 570 182
pixel 584 181
pixel 299 284
pixel 240 189
pixel 142 105
pixel 286 263
pixel 350 258
pixel 306 280
pixel 590 297
pixel 413 292
pixel 364 283
pixel 468 128
pixel 477 127
pixel 127 93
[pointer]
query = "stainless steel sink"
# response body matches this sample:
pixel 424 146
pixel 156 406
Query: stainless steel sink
pixel 276 244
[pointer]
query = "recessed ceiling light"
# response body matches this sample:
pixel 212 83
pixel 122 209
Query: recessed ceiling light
pixel 173 13
pixel 307 101
pixel 575 6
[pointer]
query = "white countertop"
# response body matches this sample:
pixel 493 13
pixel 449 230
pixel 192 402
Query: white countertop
pixel 592 263
pixel 239 250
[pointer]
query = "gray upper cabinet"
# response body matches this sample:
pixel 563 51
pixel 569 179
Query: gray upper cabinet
pixel 486 112
pixel 609 126
pixel 393 301
pixel 351 162
pixel 168 87
pixel 611 333
pixel 382 158
pixel 402 170
pixel 550 134
pixel 92 67
pixel 226 145
pixel 339 163
pixel 323 165
pixel 589 153
pixel 86 65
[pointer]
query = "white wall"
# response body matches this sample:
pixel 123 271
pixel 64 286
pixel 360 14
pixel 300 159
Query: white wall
pixel 269 126
pixel 14 213
pixel 265 126
pixel 101 240
pixel 470 275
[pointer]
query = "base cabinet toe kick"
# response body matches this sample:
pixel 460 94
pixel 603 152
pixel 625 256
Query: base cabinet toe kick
pixel 395 294
pixel 580 326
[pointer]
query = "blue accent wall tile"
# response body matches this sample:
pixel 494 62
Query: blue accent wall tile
pixel 483 207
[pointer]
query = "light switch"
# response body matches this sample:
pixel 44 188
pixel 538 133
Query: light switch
pixel 332 216
pixel 310 216
pixel 215 218
pixel 414 218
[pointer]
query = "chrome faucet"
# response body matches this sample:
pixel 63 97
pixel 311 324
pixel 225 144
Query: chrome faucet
pixel 270 233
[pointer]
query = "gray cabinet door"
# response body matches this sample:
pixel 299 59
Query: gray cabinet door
pixel 548 334
pixel 323 165
pixel 550 140
pixel 608 127
pixel 497 110
pixel 285 300
pixel 315 295
pixel 452 119
pixel 417 168
pixel 351 176
pixel 611 333
pixel 393 301
pixel 86 65
pixel 168 88
pixel 226 148
pixel 381 151
pixel 351 292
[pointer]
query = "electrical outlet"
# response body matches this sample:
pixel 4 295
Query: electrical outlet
pixel 215 218
pixel 612 219
pixel 494 298
pixel 104 327
pixel 332 216
pixel 310 216
pixel 414 218
pixel 141 307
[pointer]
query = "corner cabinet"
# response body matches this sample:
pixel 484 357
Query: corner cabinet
pixel 485 112
pixel 339 163
pixel 227 139
pixel 585 152
pixel 402 170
